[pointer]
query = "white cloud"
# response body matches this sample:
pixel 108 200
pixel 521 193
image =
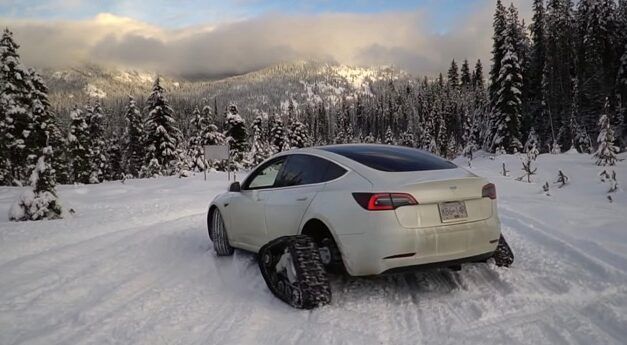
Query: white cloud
pixel 402 39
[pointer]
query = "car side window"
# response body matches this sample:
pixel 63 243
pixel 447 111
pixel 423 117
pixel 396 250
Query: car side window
pixel 266 176
pixel 306 169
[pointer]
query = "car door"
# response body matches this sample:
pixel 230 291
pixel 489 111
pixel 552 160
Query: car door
pixel 298 183
pixel 248 225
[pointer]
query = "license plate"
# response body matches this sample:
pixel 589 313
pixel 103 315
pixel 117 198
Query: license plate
pixel 452 210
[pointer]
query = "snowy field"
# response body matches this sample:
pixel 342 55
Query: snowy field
pixel 134 265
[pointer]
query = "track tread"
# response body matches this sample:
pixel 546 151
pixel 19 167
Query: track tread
pixel 311 281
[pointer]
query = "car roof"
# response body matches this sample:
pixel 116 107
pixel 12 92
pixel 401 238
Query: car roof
pixel 340 154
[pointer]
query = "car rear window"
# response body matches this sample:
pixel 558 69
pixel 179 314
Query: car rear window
pixel 305 169
pixel 391 158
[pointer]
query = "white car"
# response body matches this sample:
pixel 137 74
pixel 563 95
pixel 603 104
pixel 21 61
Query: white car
pixel 365 209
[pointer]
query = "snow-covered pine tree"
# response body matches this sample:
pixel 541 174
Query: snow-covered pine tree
pixel 407 138
pixel 15 118
pixel 343 128
pixel 97 151
pixel 369 139
pixel 278 136
pixel 469 140
pixel 606 151
pixel 236 137
pixel 477 76
pixel 442 135
pixel 134 150
pixel 508 104
pixel 389 137
pixel 195 149
pixel 46 130
pixel 428 138
pixel 596 56
pixel 498 53
pixel 162 135
pixel 466 78
pixel 40 201
pixel 559 64
pixel 453 75
pixel 298 135
pixel 532 140
pixel 78 147
pixel 533 84
pixel 260 150
pixel 113 169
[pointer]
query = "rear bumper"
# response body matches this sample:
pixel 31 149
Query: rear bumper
pixel 441 264
pixel 387 249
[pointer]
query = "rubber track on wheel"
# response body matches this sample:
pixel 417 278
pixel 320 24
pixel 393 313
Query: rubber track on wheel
pixel 503 256
pixel 311 278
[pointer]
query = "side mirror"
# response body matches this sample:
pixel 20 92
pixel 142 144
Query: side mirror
pixel 235 187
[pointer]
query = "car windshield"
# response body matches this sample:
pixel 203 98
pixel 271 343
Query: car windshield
pixel 391 158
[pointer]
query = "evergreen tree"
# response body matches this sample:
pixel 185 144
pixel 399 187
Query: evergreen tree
pixel 278 137
pixel 389 136
pixel 407 139
pixel 39 202
pixel 162 135
pixel 559 65
pixel 16 122
pixel 133 139
pixel 598 62
pixel 477 76
pixel 195 148
pixel 97 150
pixel 606 151
pixel 532 140
pixel 453 75
pixel 78 147
pixel 236 137
pixel 298 135
pixel 621 91
pixel 508 105
pixel 260 150
pixel 46 130
pixel 113 169
pixel 498 44
pixel 466 78
pixel 533 104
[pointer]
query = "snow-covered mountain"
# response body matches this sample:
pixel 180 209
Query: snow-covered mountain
pixel 265 90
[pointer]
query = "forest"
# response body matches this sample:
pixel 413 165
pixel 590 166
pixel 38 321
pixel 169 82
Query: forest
pixel 556 84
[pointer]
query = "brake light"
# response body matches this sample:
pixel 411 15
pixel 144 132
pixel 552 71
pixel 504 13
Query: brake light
pixel 489 191
pixel 383 201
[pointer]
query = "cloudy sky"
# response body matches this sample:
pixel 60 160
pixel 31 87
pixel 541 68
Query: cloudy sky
pixel 224 37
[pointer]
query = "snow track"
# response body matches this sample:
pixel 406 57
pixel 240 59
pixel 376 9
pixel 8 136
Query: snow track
pixel 134 266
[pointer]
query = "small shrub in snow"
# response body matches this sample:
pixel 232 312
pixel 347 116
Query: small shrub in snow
pixel 528 167
pixel 562 179
pixel 610 177
pixel 546 188
pixel 40 200
pixel 556 149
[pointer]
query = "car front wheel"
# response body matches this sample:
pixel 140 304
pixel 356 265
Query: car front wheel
pixel 218 234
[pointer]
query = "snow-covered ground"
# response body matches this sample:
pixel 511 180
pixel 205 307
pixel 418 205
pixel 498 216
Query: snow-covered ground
pixel 134 265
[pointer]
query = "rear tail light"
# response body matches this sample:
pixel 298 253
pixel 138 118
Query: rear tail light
pixel 489 191
pixel 383 201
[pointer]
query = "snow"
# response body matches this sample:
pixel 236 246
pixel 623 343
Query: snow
pixel 93 91
pixel 134 265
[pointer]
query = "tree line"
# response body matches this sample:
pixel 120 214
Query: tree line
pixel 547 87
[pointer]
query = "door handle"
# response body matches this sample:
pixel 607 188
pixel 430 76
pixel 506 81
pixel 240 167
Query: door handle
pixel 302 199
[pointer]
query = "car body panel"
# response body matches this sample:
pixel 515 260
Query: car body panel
pixel 372 242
